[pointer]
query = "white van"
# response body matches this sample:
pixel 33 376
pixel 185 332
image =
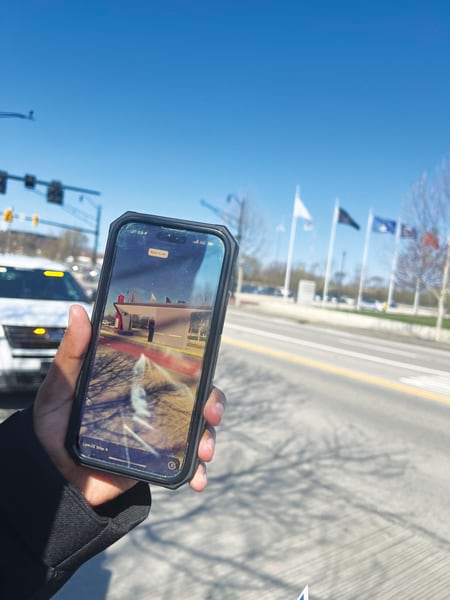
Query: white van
pixel 35 297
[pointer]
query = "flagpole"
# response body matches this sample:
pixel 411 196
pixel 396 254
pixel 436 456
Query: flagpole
pixel 330 251
pixel 398 233
pixel 287 279
pixel 364 260
pixel 443 294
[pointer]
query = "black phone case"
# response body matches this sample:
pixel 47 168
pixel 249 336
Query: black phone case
pixel 209 361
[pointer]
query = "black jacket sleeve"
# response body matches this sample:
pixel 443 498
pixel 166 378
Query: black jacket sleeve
pixel 47 530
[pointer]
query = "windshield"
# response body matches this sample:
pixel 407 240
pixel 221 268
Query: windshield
pixel 36 284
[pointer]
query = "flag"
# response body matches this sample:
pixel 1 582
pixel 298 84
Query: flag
pixel 346 219
pixel 430 239
pixel 300 209
pixel 409 232
pixel 380 225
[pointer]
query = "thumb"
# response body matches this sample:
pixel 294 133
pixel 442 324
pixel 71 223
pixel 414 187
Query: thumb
pixel 69 358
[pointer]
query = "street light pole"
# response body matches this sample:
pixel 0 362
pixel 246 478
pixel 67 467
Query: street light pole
pixel 235 222
pixel 238 274
pixel 16 115
pixel 97 233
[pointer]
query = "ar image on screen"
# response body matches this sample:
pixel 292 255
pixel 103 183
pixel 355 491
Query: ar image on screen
pixel 150 349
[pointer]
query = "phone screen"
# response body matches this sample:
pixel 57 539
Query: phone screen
pixel 150 349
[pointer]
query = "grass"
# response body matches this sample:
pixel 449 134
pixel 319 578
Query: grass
pixel 411 319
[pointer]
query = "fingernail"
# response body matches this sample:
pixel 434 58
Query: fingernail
pixel 210 444
pixel 220 409
pixel 204 478
pixel 70 317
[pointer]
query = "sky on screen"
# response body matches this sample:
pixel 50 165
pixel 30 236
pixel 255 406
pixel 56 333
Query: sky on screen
pixel 159 104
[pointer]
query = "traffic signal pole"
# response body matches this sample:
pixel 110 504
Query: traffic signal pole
pixel 56 224
pixel 55 195
pixel 69 188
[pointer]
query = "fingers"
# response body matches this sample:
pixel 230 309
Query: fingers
pixel 199 482
pixel 69 358
pixel 207 444
pixel 213 413
pixel 215 407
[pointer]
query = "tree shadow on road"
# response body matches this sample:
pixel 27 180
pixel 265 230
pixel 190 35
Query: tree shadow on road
pixel 279 495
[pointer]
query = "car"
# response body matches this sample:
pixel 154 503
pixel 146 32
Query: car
pixel 372 304
pixel 35 297
pixel 249 289
pixel 274 291
pixel 348 300
pixel 270 291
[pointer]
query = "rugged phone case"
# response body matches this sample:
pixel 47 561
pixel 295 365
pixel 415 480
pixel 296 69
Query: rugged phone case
pixel 209 360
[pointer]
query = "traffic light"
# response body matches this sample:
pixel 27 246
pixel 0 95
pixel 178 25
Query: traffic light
pixel 35 220
pixel 55 192
pixel 3 181
pixel 8 215
pixel 30 181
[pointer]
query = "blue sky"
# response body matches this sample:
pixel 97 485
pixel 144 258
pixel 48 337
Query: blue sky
pixel 159 104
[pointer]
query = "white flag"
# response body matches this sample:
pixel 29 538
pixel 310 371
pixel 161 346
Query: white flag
pixel 300 209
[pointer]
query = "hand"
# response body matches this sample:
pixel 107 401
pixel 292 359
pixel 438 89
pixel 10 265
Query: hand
pixel 52 408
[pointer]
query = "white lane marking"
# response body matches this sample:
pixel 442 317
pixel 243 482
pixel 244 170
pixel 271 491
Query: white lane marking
pixel 317 329
pixel 341 351
pixel 379 348
pixel 442 353
pixel 434 384
pixel 262 317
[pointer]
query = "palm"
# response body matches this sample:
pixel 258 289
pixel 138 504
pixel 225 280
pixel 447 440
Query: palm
pixel 51 416
pixel 52 411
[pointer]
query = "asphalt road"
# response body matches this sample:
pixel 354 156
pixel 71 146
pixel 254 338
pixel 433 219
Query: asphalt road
pixel 331 470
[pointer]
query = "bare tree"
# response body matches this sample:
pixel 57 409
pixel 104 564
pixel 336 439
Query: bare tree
pixel 251 228
pixel 421 263
pixel 253 233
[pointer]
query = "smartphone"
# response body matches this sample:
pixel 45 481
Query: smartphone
pixel 157 323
